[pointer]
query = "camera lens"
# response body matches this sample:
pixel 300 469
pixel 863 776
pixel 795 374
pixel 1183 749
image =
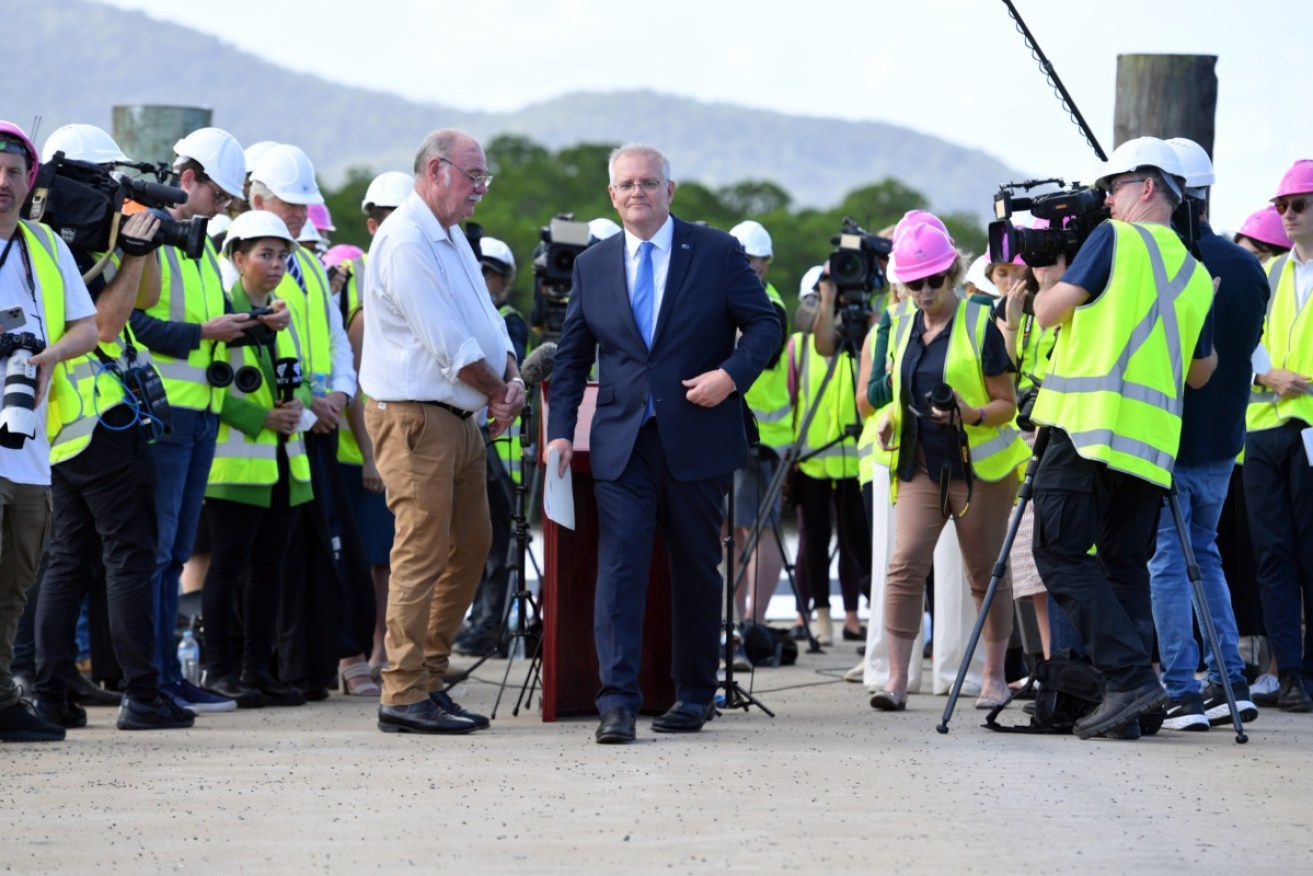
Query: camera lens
pixel 941 398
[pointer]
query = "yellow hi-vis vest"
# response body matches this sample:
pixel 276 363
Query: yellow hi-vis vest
pixel 191 290
pixel 1034 348
pixel 1117 375
pixel 348 449
pixel 768 397
pixel 64 404
pixel 834 410
pixel 98 390
pixel 310 310
pixel 996 451
pixel 868 449
pixel 239 459
pixel 509 445
pixel 1288 339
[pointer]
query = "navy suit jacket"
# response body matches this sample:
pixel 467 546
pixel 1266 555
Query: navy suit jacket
pixel 710 293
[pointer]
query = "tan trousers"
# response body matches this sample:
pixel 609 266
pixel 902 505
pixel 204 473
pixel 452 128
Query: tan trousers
pixel 917 524
pixel 433 467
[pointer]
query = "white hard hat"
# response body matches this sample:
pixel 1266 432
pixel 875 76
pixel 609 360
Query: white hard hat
pixel 82 143
pixel 755 238
pixel 492 249
pixel 310 234
pixel 1196 163
pixel 218 225
pixel 601 228
pixel 255 150
pixel 976 276
pixel 1143 152
pixel 891 270
pixel 219 155
pixel 810 279
pixel 388 189
pixel 288 173
pixel 253 224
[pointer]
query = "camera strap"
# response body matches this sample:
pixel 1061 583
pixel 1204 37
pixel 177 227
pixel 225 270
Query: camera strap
pixel 27 272
pixel 946 475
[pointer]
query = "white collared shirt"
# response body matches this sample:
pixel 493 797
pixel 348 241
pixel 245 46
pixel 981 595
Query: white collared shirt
pixel 661 243
pixel 1303 280
pixel 427 313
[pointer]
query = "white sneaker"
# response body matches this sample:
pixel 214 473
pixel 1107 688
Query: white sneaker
pixel 856 674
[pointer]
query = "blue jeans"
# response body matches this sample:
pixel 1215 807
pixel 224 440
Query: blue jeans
pixel 1201 491
pixel 182 467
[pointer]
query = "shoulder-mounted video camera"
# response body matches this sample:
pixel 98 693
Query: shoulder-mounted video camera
pixel 857 273
pixel 563 239
pixel 1072 213
pixel 79 200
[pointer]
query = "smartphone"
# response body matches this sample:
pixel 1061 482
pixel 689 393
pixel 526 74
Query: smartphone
pixel 12 318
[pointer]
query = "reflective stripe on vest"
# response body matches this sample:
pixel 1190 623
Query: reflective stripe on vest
pixel 996 451
pixel 191 291
pixel 1288 339
pixel 240 460
pixel 1116 379
pixel 63 404
pixel 834 411
pixel 98 391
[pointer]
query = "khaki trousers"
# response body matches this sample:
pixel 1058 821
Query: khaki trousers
pixel 433 467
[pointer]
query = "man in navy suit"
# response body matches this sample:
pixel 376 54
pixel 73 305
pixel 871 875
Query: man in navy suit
pixel 661 304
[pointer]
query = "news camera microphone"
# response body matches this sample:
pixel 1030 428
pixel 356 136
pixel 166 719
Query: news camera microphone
pixel 287 377
pixel 538 365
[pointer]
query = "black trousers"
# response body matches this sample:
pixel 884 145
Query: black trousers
pixel 1279 490
pixel 104 523
pixel 823 504
pixel 1079 504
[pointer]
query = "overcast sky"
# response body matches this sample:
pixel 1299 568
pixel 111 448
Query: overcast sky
pixel 954 68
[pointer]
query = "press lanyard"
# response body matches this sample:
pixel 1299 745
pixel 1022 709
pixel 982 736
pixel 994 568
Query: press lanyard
pixel 27 272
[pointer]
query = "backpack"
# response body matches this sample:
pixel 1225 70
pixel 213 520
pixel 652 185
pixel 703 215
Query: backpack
pixel 1069 689
pixel 768 646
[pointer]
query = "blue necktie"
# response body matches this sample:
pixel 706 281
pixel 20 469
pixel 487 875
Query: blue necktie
pixel 294 269
pixel 644 295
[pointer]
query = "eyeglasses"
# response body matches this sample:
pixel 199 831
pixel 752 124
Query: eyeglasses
pixel 934 281
pixel 1296 205
pixel 647 185
pixel 1116 184
pixel 221 198
pixel 478 179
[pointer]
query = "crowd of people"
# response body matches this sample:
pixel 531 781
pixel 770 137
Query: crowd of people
pixel 331 461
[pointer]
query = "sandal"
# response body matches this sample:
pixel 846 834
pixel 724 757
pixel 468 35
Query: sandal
pixel 983 702
pixel 889 701
pixel 357 681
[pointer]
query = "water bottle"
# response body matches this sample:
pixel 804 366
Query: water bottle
pixel 189 655
pixel 319 385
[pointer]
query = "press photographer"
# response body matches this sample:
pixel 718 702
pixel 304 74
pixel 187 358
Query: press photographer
pixel 1113 395
pixel 103 480
pixel 41 295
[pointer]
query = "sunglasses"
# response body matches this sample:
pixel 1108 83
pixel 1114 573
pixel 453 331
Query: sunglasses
pixel 1296 206
pixel 934 281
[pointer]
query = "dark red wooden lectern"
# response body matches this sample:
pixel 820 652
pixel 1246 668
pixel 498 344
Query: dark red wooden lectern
pixel 569 580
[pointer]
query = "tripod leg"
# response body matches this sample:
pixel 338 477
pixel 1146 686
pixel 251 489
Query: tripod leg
pixel 1202 613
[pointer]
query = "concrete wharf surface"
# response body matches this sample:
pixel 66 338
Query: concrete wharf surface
pixel 827 786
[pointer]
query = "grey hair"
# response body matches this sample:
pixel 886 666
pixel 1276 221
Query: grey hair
pixel 437 145
pixel 259 188
pixel 1170 189
pixel 636 149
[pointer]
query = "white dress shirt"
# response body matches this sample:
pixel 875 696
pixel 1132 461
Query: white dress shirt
pixel 428 313
pixel 661 243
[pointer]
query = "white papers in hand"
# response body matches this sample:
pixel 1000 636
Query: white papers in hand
pixel 558 493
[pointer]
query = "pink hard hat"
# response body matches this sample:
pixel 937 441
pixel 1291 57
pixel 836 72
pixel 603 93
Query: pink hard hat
pixel 1265 226
pixel 11 132
pixel 913 217
pixel 342 252
pixel 319 217
pixel 1298 180
pixel 923 250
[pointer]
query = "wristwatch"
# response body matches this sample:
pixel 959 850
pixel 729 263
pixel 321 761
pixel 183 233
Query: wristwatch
pixel 981 421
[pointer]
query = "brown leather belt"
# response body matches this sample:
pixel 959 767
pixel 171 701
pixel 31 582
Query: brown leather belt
pixel 463 414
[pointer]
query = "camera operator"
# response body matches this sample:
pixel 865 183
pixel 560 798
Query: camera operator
pixel 326 610
pixel 827 468
pixel 1131 307
pixel 185 331
pixel 103 487
pixel 955 452
pixel 769 400
pixel 1279 448
pixel 38 278
pixel 481 634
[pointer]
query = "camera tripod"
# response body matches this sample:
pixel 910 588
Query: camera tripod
pixel 1000 567
pixel 735 695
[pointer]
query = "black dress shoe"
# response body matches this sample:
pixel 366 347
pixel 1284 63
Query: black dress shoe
pixel 425 716
pixel 67 714
pixel 275 692
pixel 1121 707
pixel 684 718
pixel 85 692
pixel 451 707
pixel 616 726
pixel 20 723
pixel 850 636
pixel 232 688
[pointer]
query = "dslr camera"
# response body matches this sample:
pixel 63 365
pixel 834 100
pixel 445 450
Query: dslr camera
pixel 18 420
pixel 553 269
pixel 80 199
pixel 1072 212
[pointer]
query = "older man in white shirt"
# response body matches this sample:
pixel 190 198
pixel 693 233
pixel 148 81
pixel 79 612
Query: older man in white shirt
pixel 436 351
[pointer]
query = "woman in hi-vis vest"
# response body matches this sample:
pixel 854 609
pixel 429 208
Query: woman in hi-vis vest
pixel 259 472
